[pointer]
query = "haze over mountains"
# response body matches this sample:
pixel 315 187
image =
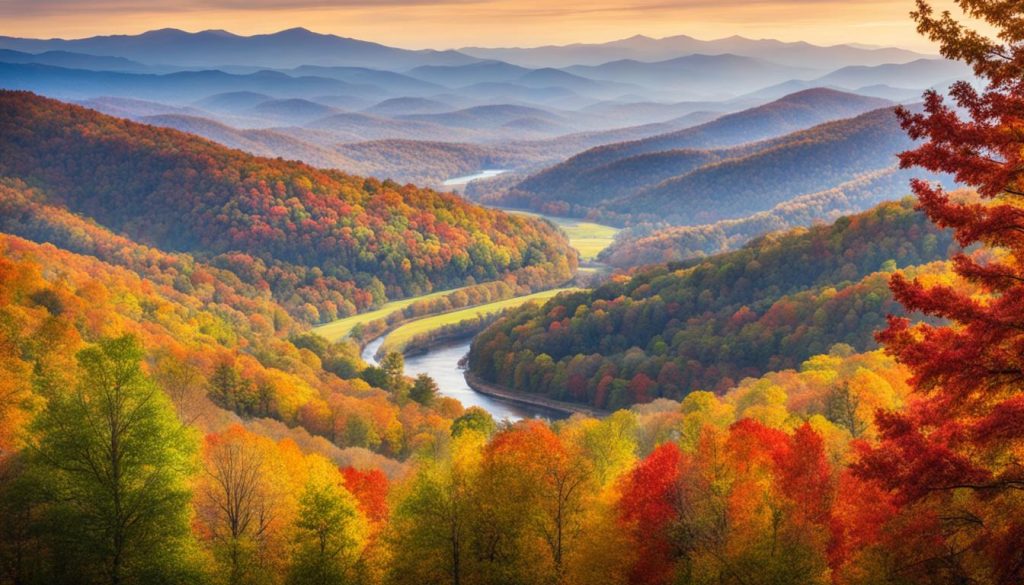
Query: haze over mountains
pixel 643 48
pixel 616 173
pixel 212 48
pixel 634 131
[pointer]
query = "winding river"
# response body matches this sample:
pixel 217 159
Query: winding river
pixel 465 180
pixel 441 364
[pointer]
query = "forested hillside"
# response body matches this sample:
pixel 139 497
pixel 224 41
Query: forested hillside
pixel 321 242
pixel 786 115
pixel 215 360
pixel 678 185
pixel 669 330
pixel 841 404
pixel 641 245
pixel 773 172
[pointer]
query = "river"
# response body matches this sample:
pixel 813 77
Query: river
pixel 485 174
pixel 441 364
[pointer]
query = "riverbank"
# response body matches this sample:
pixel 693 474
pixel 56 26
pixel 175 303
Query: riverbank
pixel 398 337
pixel 567 408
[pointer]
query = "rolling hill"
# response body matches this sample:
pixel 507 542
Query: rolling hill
pixel 389 81
pixel 919 74
pixel 559 186
pixel 468 74
pixel 290 111
pixel 639 246
pixel 408 105
pixel 696 74
pixel 668 330
pixel 321 242
pixel 739 184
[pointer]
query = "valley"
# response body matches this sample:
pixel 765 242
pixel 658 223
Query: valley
pixel 466 179
pixel 299 308
pixel 441 339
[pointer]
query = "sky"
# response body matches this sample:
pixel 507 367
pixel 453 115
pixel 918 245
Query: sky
pixel 457 23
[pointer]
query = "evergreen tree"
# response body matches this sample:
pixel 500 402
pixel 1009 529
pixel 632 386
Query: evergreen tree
pixel 424 390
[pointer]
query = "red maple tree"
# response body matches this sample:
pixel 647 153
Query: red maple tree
pixel 954 456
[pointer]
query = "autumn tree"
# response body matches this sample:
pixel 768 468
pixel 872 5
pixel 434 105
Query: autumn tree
pixel 240 502
pixel 609 444
pixel 550 478
pixel 431 533
pixel 841 404
pixel 647 511
pixel 952 459
pixel 114 461
pixel 329 532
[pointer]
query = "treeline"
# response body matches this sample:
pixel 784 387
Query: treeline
pixel 218 363
pixel 668 330
pixel 620 500
pixel 423 342
pixel 324 244
pixel 519 283
pixel 628 499
pixel 653 244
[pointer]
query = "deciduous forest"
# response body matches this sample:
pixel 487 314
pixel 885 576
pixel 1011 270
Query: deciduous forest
pixel 836 404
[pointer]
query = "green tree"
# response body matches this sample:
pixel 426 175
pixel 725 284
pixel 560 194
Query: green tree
pixel 374 376
pixel 229 390
pixel 431 533
pixel 326 544
pixel 424 390
pixel 393 366
pixel 841 406
pixel 114 462
pixel 474 419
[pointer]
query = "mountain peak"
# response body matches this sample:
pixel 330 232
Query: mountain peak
pixel 219 32
pixel 296 31
pixel 164 32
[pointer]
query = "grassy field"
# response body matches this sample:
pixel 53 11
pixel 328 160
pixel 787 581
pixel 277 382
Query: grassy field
pixel 397 339
pixel 336 330
pixel 587 237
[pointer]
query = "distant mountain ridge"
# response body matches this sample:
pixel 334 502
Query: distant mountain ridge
pixel 299 46
pixel 72 60
pixel 214 48
pixel 696 73
pixel 643 48
pixel 694 187
pixel 64 83
pixel 575 177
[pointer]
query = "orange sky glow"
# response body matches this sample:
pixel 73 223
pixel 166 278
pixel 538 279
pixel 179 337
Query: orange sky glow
pixel 457 23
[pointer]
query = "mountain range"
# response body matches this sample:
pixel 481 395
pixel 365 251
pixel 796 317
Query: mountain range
pixel 625 168
pixel 644 48
pixel 214 48
pixel 611 128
